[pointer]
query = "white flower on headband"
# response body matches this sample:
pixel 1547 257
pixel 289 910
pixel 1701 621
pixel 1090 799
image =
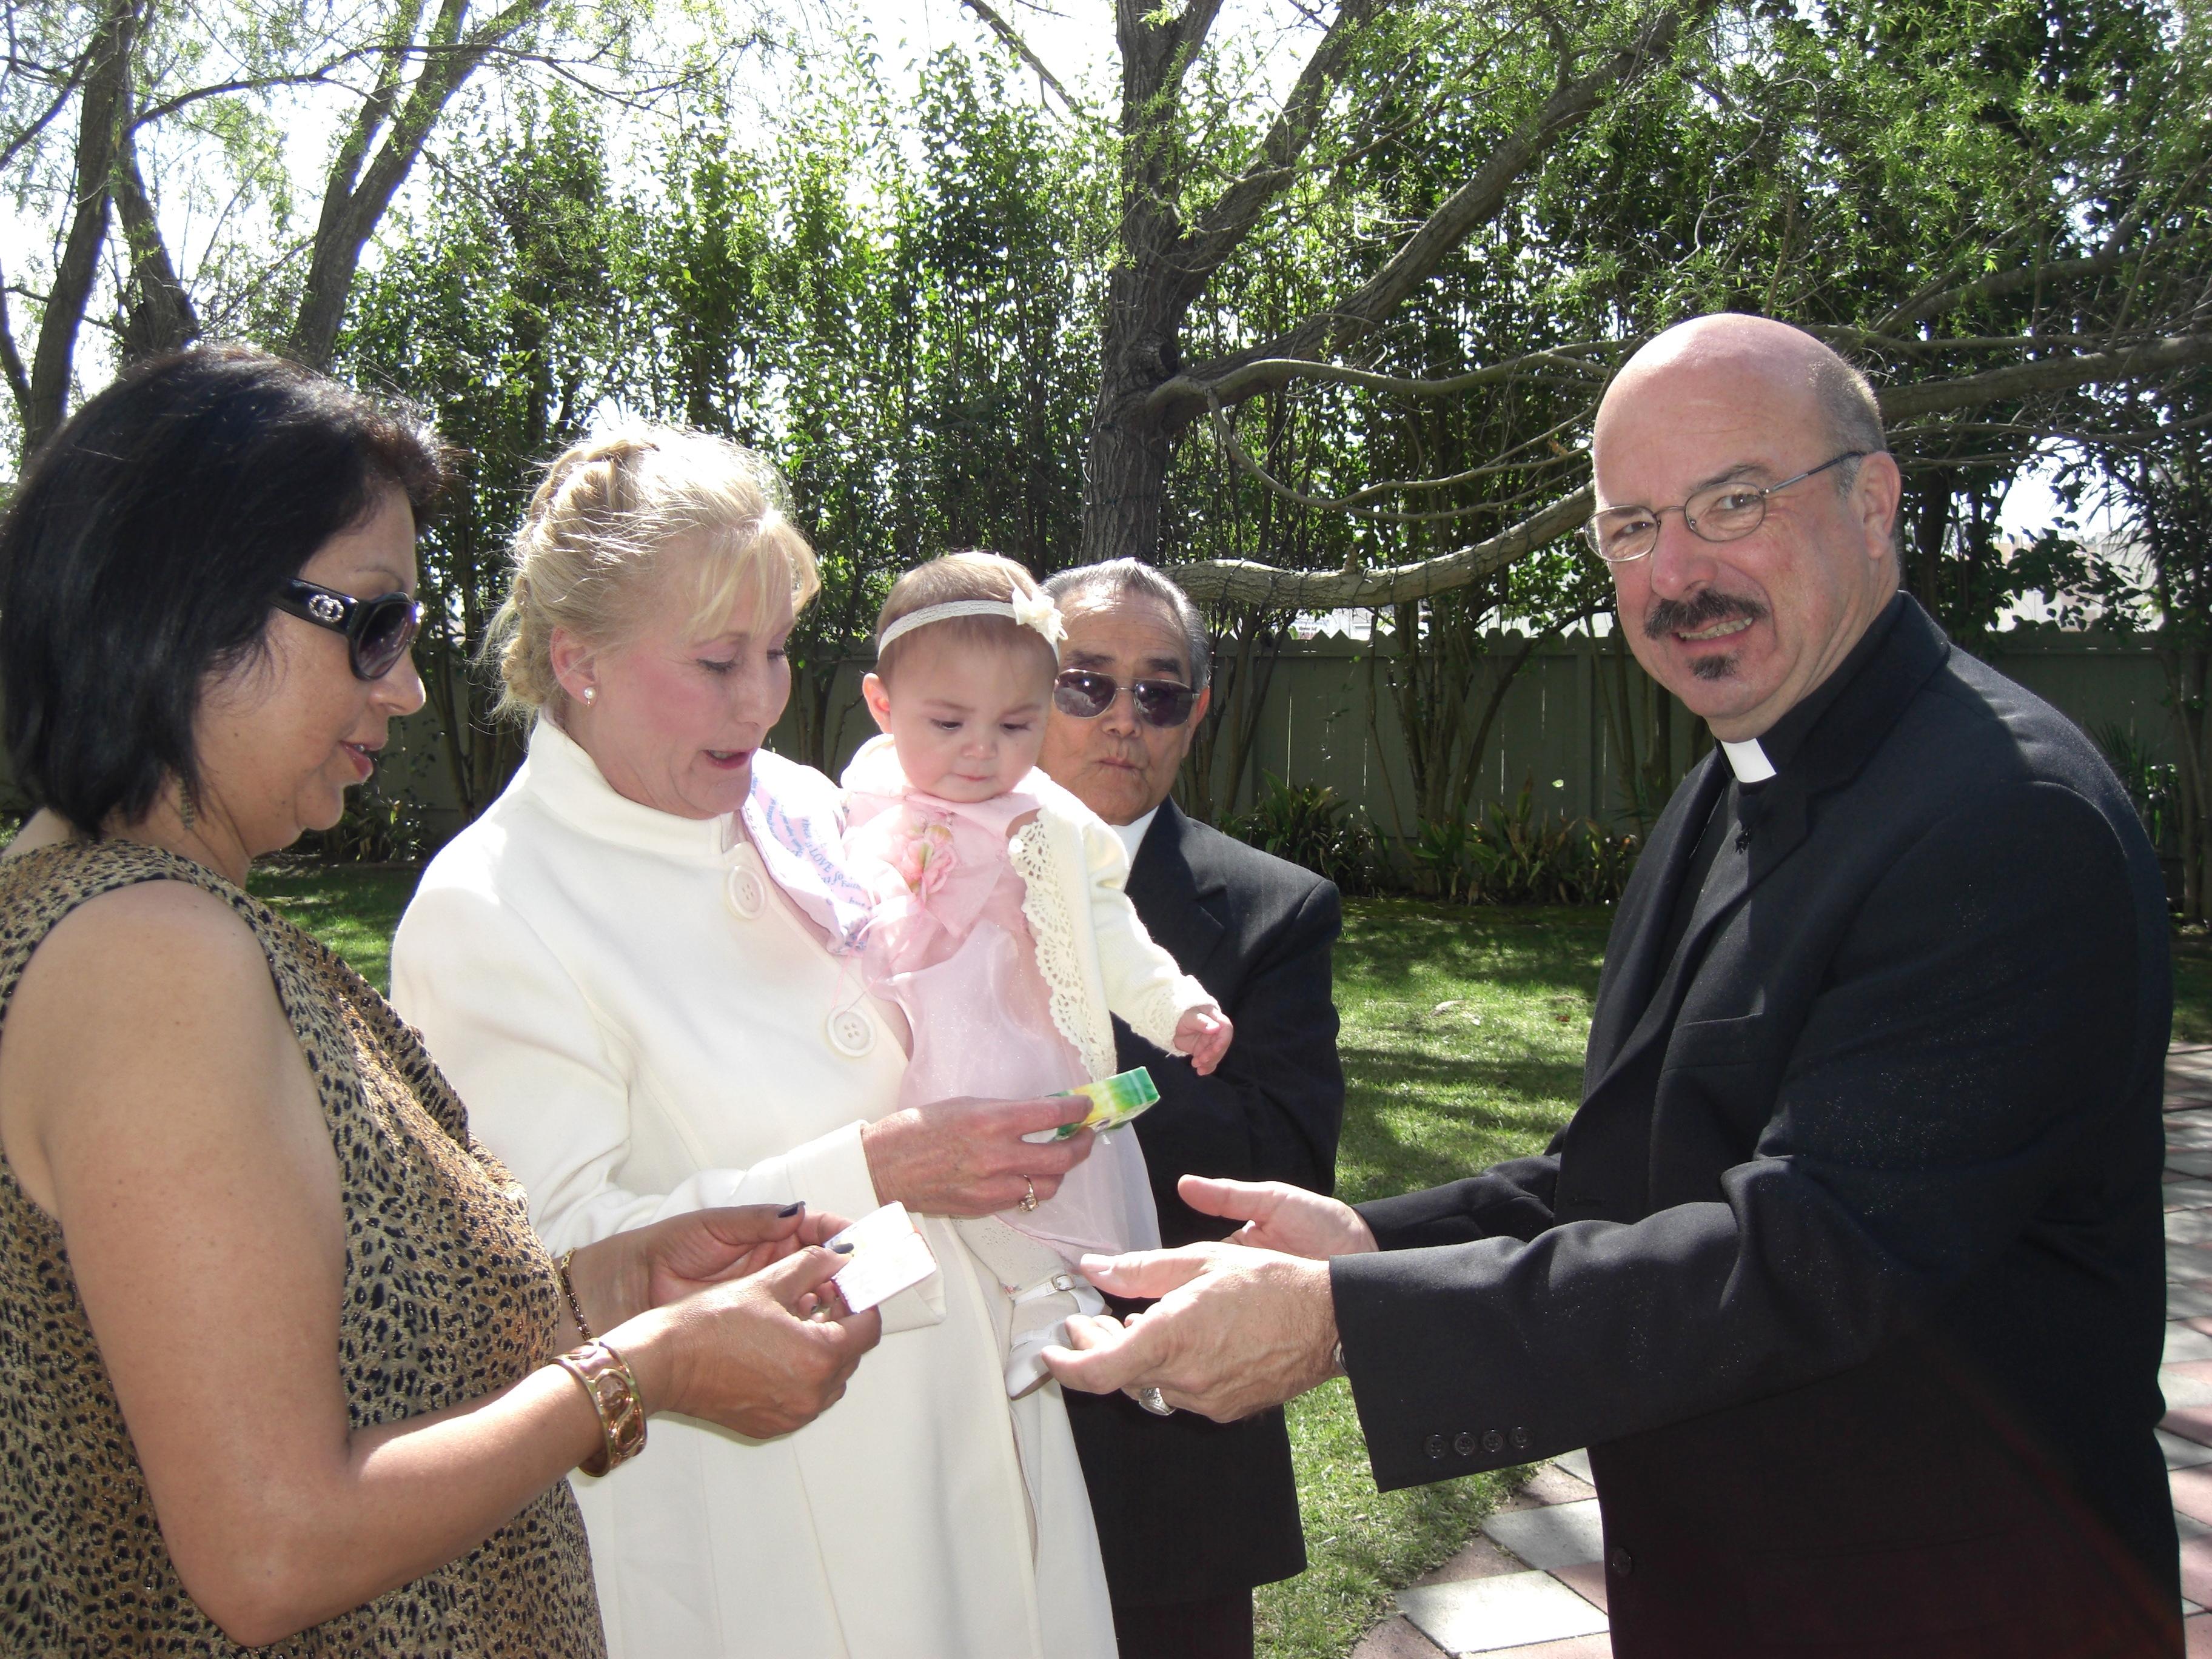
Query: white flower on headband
pixel 1038 611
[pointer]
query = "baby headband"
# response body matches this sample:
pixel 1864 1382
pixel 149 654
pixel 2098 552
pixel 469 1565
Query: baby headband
pixel 1025 610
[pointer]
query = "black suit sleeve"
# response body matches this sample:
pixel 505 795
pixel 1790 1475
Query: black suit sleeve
pixel 1511 1200
pixel 1274 1107
pixel 1979 1021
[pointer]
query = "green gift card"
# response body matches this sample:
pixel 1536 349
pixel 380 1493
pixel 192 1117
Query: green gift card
pixel 1114 1101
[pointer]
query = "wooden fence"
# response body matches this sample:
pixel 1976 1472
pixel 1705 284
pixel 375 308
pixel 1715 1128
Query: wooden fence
pixel 1320 723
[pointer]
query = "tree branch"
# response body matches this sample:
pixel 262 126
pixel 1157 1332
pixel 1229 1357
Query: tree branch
pixel 1356 502
pixel 106 92
pixel 162 318
pixel 1240 582
pixel 1480 199
pixel 1243 582
pixel 1998 283
pixel 1011 36
pixel 16 145
pixel 11 360
pixel 1222 226
pixel 2046 374
pixel 351 210
pixel 1269 373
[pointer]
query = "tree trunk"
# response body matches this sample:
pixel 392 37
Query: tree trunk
pixel 2186 677
pixel 1125 474
pixel 158 315
pixel 106 100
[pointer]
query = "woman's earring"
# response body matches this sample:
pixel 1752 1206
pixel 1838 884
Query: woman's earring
pixel 590 692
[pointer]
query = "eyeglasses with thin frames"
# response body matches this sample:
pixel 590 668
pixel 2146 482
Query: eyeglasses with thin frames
pixel 1721 513
pixel 377 631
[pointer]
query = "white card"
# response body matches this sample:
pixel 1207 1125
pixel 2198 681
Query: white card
pixel 889 1255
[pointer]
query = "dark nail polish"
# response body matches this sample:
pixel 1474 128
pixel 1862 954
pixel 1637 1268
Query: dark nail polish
pixel 789 1210
pixel 845 1248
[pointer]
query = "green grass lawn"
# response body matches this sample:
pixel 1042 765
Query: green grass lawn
pixel 2193 985
pixel 351 908
pixel 1462 1044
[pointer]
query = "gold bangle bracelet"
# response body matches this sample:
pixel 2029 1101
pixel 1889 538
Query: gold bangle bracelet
pixel 569 1289
pixel 606 1379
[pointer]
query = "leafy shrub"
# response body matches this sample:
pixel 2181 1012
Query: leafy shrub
pixel 1509 856
pixel 1311 825
pixel 377 829
pixel 2153 785
pixel 1506 856
pixel 1443 861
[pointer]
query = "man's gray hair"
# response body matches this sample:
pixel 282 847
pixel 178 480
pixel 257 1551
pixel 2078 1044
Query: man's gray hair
pixel 1091 584
pixel 1848 407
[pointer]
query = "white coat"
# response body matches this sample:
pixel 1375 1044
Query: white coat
pixel 640 1024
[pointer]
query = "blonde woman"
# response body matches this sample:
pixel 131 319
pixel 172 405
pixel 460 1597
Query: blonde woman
pixel 624 967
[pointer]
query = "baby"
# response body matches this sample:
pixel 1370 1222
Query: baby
pixel 999 925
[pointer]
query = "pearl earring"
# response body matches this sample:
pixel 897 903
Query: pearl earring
pixel 590 692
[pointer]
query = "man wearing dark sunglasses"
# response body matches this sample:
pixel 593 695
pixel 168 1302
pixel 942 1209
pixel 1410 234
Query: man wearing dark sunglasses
pixel 1193 1514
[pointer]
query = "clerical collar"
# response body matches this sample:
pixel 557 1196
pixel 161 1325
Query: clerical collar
pixel 1757 759
pixel 1748 761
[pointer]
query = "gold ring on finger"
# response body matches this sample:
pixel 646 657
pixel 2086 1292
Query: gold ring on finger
pixel 1028 1200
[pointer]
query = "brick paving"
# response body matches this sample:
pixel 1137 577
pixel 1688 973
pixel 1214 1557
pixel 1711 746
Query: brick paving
pixel 1531 1586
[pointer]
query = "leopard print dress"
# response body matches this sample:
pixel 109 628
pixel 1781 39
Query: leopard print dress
pixel 448 1295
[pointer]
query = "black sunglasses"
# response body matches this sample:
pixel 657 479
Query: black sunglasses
pixel 1086 696
pixel 377 631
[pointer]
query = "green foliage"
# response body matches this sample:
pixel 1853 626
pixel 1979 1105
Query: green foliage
pixel 2153 785
pixel 500 309
pixel 1505 855
pixel 1311 825
pixel 1510 856
pixel 888 300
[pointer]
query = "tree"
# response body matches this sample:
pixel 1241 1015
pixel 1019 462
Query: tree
pixel 1994 206
pixel 500 311
pixel 203 97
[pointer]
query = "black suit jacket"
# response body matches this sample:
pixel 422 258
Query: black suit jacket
pixel 1849 1267
pixel 1189 1510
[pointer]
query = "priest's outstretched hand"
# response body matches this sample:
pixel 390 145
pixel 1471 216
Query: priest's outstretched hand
pixel 1234 1331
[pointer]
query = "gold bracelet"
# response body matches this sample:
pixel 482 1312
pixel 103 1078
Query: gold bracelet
pixel 605 1376
pixel 569 1289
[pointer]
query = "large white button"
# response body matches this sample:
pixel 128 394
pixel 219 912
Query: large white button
pixel 747 893
pixel 851 1032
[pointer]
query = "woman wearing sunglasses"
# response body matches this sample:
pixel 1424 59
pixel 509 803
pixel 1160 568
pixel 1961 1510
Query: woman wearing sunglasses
pixel 283 1359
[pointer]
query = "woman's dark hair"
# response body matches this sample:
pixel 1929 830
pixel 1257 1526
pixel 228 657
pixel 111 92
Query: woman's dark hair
pixel 143 548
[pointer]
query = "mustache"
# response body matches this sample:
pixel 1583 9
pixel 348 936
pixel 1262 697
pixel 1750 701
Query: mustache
pixel 1688 616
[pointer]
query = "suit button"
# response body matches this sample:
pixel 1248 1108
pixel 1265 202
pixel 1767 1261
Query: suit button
pixel 1621 1561
pixel 1436 1446
pixel 1493 1442
pixel 1464 1444
pixel 1520 1439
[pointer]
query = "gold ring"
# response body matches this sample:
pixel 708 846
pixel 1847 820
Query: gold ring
pixel 1028 1200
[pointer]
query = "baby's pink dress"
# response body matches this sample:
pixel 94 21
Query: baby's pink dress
pixel 948 943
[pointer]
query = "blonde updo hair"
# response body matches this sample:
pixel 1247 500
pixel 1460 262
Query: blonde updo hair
pixel 949 578
pixel 593 543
